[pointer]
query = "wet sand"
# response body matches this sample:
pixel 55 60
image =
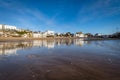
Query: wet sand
pixel 8 39
pixel 45 68
pixel 12 39
pixel 60 64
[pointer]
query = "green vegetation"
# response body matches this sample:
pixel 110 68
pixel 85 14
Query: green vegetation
pixel 21 33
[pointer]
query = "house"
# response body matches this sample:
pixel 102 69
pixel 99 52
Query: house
pixel 43 34
pixel 50 33
pixel 1 26
pixel 37 35
pixel 7 27
pixel 80 35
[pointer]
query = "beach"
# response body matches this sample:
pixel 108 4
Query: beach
pixel 4 39
pixel 65 59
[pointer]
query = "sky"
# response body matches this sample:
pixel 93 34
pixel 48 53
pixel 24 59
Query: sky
pixel 88 16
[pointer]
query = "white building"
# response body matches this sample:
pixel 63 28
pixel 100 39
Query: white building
pixel 1 26
pixel 51 33
pixel 7 27
pixel 43 34
pixel 80 35
pixel 37 35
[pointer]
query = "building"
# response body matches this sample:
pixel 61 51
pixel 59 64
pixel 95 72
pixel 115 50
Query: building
pixel 1 26
pixel 37 35
pixel 7 27
pixel 43 34
pixel 80 35
pixel 49 33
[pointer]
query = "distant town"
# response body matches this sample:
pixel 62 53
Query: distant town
pixel 13 31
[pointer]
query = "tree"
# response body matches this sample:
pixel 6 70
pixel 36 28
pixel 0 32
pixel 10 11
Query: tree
pixel 116 35
pixel 89 34
pixel 68 34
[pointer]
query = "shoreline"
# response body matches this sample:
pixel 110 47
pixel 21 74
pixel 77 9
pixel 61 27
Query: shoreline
pixel 10 39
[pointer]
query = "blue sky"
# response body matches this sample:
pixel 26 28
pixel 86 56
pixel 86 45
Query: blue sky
pixel 94 16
